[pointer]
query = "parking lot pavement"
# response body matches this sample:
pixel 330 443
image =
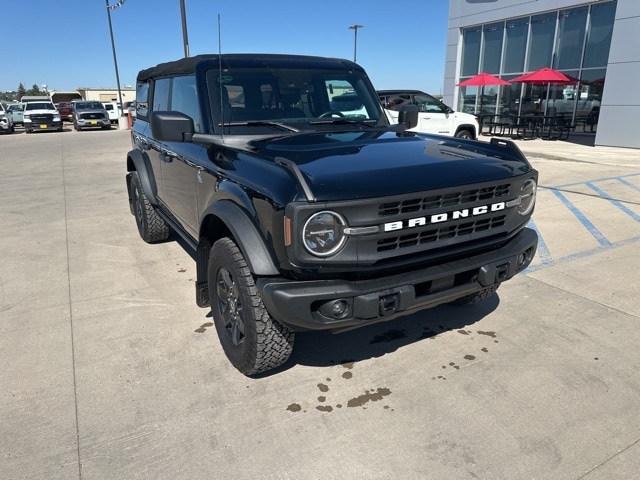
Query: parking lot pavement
pixel 110 370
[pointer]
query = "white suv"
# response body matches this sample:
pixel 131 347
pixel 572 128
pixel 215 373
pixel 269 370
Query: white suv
pixel 433 115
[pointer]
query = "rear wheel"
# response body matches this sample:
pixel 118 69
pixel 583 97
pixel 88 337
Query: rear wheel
pixel 151 226
pixel 252 340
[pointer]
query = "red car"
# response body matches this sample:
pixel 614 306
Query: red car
pixel 66 111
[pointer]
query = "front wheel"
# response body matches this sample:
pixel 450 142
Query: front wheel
pixel 252 340
pixel 464 134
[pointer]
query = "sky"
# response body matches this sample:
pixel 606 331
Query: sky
pixel 66 44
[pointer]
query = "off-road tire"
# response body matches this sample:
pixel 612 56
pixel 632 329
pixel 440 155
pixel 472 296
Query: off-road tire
pixel 477 296
pixel 252 340
pixel 151 226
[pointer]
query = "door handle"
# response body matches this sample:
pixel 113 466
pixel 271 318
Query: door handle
pixel 167 156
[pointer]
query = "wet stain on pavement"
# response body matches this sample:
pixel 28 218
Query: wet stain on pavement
pixel 488 334
pixel 389 336
pixel 370 395
pixel 469 357
pixel 203 327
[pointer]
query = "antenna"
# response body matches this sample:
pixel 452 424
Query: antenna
pixel 220 86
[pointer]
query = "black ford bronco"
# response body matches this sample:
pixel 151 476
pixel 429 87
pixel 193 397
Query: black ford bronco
pixel 306 217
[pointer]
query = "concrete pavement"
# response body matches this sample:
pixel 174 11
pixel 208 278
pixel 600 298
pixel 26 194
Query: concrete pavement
pixel 110 370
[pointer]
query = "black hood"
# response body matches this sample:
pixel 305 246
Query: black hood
pixel 350 165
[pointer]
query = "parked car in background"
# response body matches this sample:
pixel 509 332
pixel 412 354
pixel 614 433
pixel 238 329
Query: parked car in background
pixel 113 110
pixel 348 104
pixel 127 107
pixel 6 121
pixel 433 115
pixel 65 109
pixel 16 110
pixel 90 114
pixel 41 115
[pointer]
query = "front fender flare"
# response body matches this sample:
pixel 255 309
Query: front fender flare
pixel 247 236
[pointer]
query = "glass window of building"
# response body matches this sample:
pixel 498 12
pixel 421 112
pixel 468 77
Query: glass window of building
pixel 596 52
pixel 571 28
pixel 471 38
pixel 515 45
pixel 492 47
pixel 543 29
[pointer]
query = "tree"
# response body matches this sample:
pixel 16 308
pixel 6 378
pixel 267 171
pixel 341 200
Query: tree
pixel 34 90
pixel 21 91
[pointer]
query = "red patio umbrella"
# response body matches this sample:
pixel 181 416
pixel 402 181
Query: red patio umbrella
pixel 480 80
pixel 545 76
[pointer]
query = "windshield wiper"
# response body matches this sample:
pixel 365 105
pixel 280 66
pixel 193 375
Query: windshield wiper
pixel 341 121
pixel 259 123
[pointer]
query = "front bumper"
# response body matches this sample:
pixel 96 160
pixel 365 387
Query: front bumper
pixel 95 123
pixel 43 125
pixel 306 305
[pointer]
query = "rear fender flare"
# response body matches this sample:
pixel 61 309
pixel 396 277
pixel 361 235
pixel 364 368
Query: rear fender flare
pixel 142 165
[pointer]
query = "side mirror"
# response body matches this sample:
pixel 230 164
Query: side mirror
pixel 408 116
pixel 172 126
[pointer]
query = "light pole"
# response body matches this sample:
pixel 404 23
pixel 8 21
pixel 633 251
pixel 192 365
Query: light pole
pixel 113 45
pixel 355 39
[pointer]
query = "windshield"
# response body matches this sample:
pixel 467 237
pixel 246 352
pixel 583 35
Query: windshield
pixel 39 106
pixel 255 101
pixel 89 106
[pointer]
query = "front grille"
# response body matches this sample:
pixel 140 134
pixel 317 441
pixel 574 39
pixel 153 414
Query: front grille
pixel 444 200
pixel 416 226
pixel 91 116
pixel 42 118
pixel 437 234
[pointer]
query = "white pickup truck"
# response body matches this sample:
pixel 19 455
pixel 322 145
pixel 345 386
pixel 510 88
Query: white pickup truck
pixel 433 116
pixel 113 110
pixel 564 104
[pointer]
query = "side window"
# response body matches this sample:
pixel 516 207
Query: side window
pixel 397 101
pixel 184 98
pixel 428 104
pixel 142 100
pixel 161 95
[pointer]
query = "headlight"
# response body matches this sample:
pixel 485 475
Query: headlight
pixel 56 118
pixel 527 197
pixel 323 234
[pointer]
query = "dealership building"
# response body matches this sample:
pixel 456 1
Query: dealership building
pixel 596 44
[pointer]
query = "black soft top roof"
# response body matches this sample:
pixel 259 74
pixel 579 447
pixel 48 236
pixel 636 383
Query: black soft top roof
pixel 186 66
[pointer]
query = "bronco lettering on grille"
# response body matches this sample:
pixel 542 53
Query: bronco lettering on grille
pixel 443 217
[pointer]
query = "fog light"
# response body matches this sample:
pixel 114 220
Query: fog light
pixel 339 308
pixel 523 259
pixel 336 309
